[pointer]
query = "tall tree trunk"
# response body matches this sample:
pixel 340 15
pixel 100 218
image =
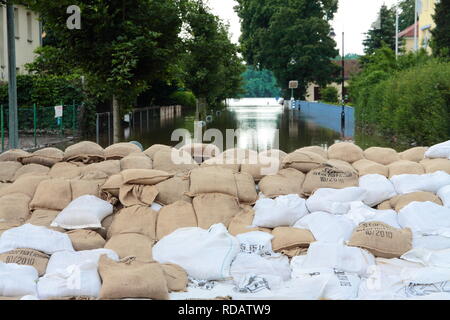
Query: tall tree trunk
pixel 117 123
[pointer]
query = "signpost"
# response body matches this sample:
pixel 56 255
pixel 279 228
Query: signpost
pixel 293 85
pixel 58 116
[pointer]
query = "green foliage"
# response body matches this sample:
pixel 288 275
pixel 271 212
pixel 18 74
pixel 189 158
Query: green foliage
pixel 382 32
pixel 290 38
pixel 184 98
pixel 260 84
pixel 329 95
pixel 441 34
pixel 406 16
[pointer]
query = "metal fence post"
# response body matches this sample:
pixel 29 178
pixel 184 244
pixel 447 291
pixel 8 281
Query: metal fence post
pixel 74 115
pixel 109 128
pixel 97 129
pixel 34 124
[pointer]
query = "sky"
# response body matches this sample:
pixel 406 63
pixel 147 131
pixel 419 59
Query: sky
pixel 354 17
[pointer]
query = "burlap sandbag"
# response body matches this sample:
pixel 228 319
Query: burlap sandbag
pixel 211 180
pixel 8 170
pixel 176 277
pixel 85 151
pixel 144 176
pixel 316 149
pixel 174 161
pixel 131 244
pixel 345 151
pixel 246 188
pixel 382 156
pixel 173 190
pixel 385 205
pixel 14 207
pixel 65 170
pixel 222 162
pixel 150 152
pixel 328 176
pixel 286 238
pixel 275 153
pixel 113 184
pixel 135 194
pixel 31 169
pixel 13 155
pixel 433 165
pixel 132 278
pixel 382 240
pixel 401 201
pixel 44 218
pixel 27 257
pixel 265 166
pixel 46 157
pixel 201 151
pixel 84 187
pixel 294 252
pixel 27 185
pixel 242 221
pixel 86 240
pixel 53 194
pixel 416 154
pixel 6 225
pixel 365 167
pixel 120 150
pixel 303 161
pixel 286 181
pixel 215 208
pixel 405 167
pixel 136 161
pixel 239 154
pixel 340 164
pixel 106 224
pixel 136 219
pixel 178 215
pixel 110 167
pixel 3 185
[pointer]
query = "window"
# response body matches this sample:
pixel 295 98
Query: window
pixel 29 27
pixel 16 23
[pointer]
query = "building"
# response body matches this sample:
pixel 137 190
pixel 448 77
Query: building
pixel 28 32
pixel 407 37
pixel 351 67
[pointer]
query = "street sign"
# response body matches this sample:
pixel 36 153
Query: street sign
pixel 58 111
pixel 293 84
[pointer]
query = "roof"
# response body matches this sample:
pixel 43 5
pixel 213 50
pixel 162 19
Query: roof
pixel 409 32
pixel 351 66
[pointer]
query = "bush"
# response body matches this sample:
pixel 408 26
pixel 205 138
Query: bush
pixel 329 95
pixel 184 98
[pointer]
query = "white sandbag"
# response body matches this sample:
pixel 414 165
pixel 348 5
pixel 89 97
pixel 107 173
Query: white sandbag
pixel 335 201
pixel 279 212
pixel 64 259
pixel 17 280
pixel 378 187
pixel 425 218
pixel 338 256
pixel 360 213
pixel 84 212
pixel 327 227
pixel 256 242
pixel 441 150
pixel 431 242
pixel 444 194
pixel 431 182
pixel 81 280
pixel 429 258
pixel 35 237
pixel 204 254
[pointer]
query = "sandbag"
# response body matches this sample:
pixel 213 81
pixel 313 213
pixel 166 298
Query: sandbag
pixel 132 278
pixel 360 213
pixel 136 161
pixel 17 280
pixel 401 201
pixel 113 184
pixel 444 195
pixel 109 167
pixel 173 190
pixel 285 238
pixel 144 176
pixel 405 167
pixel 246 188
pixel 385 205
pixel 174 161
pixel 136 219
pixel 425 218
pixel 316 149
pixel 6 225
pixel 201 151
pixel 85 151
pixel 150 152
pixel 440 150
pixel 328 176
pixel 120 150
pixel 274 153
pixel 133 194
pixel 416 154
pixel 44 218
pixel 8 170
pixel 384 156
pixel 345 151
pixel 382 240
pixel 286 181
pixel 46 157
pixel 64 259
pixel 131 244
pixel 13 155
pixel 86 240
pixel 31 169
pixel 282 211
pixel 239 154
pixel 65 170
pixel 83 212
pixel 365 166
pixel 431 182
pixel 27 257
pixel 176 277
pixel 265 166
pixel 84 187
pixel 303 161
pixel 256 242
pixel 378 189
pixel 14 207
pixel 335 201
pixel 222 162
pixel 212 180
pixel 434 165
pixel 242 222
pixel 213 208
pixel 205 254
pixel 178 215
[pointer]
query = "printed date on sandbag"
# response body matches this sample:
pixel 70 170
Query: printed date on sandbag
pixel 226 309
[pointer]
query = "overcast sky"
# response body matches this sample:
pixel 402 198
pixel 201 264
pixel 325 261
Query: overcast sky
pixel 354 17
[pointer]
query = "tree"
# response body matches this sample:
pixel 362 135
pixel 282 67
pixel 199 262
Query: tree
pixel 290 38
pixel 406 16
pixel 441 34
pixel 260 83
pixel 329 95
pixel 382 32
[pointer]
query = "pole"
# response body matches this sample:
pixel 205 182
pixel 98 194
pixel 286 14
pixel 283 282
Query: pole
pixel 62 122
pixel 3 129
pixel 396 31
pixel 12 91
pixel 343 82
pixel 109 128
pixel 416 46
pixel 34 124
pixel 97 129
pixel 74 115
